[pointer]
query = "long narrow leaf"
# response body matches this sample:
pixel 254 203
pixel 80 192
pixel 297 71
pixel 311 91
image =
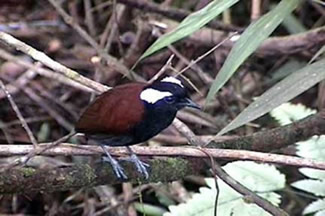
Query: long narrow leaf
pixel 253 36
pixel 283 91
pixel 190 24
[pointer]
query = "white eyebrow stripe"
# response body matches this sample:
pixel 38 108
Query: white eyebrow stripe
pixel 152 95
pixel 172 80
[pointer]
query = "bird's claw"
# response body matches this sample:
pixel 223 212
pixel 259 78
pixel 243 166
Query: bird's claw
pixel 141 166
pixel 118 170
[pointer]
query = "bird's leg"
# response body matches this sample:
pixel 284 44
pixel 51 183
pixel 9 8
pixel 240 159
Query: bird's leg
pixel 141 166
pixel 118 170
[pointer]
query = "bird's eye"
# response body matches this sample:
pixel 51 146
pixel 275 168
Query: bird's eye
pixel 170 100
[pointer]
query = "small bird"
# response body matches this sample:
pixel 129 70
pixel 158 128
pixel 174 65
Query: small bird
pixel 133 113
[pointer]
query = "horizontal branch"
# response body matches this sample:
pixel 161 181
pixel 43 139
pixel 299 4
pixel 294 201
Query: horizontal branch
pixel 181 162
pixel 310 40
pixel 189 152
pixel 277 138
pixel 173 13
pixel 273 46
pixel 26 180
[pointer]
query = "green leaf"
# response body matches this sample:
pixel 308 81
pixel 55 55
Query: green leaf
pixel 44 132
pixel 262 178
pixel 316 187
pixel 293 24
pixel 253 36
pixel 288 113
pixel 317 206
pixel 148 209
pixel 313 173
pixel 320 52
pixel 257 177
pixel 163 198
pixel 322 212
pixel 190 24
pixel 312 148
pixel 285 70
pixel 283 91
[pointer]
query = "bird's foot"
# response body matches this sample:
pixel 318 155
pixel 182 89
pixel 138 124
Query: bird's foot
pixel 141 166
pixel 118 170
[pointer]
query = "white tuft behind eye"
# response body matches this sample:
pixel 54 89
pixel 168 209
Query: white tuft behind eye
pixel 172 80
pixel 152 95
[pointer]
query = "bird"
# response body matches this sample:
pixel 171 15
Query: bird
pixel 133 113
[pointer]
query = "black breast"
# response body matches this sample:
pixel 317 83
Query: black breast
pixel 154 122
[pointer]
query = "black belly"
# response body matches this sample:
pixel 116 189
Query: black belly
pixel 152 125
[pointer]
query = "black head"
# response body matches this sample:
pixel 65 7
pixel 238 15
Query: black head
pixel 162 99
pixel 167 94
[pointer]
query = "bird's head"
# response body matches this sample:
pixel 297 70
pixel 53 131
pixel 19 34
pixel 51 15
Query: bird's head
pixel 167 94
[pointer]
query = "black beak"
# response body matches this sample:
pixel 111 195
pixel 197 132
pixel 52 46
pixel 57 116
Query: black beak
pixel 186 102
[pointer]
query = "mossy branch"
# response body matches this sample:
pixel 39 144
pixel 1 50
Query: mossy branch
pixel 27 179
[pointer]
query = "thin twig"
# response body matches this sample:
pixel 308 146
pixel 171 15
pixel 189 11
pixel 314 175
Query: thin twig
pixel 19 115
pixel 118 11
pixel 21 81
pixel 89 18
pixel 52 145
pixel 256 9
pixel 163 69
pixel 187 132
pixel 190 65
pixel 36 151
pixel 29 120
pixel 172 13
pixel 41 57
pixel 261 202
pixel 112 61
pixel 215 175
pixel 185 60
pixel 52 112
pixel 47 73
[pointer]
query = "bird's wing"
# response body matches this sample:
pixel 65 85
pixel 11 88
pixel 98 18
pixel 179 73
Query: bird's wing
pixel 114 112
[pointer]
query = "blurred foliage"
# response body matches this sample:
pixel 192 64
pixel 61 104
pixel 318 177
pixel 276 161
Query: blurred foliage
pixel 238 67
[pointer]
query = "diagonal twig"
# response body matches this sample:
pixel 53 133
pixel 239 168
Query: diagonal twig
pixel 19 115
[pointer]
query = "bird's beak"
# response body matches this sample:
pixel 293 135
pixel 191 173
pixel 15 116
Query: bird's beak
pixel 188 103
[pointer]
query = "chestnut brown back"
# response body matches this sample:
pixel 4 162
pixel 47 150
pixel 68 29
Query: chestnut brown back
pixel 114 112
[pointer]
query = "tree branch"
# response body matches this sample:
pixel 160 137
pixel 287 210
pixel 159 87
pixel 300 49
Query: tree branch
pixel 66 149
pixel 278 137
pixel 174 167
pixel 26 180
pixel 173 13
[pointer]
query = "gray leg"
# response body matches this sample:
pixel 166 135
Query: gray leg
pixel 118 170
pixel 141 166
